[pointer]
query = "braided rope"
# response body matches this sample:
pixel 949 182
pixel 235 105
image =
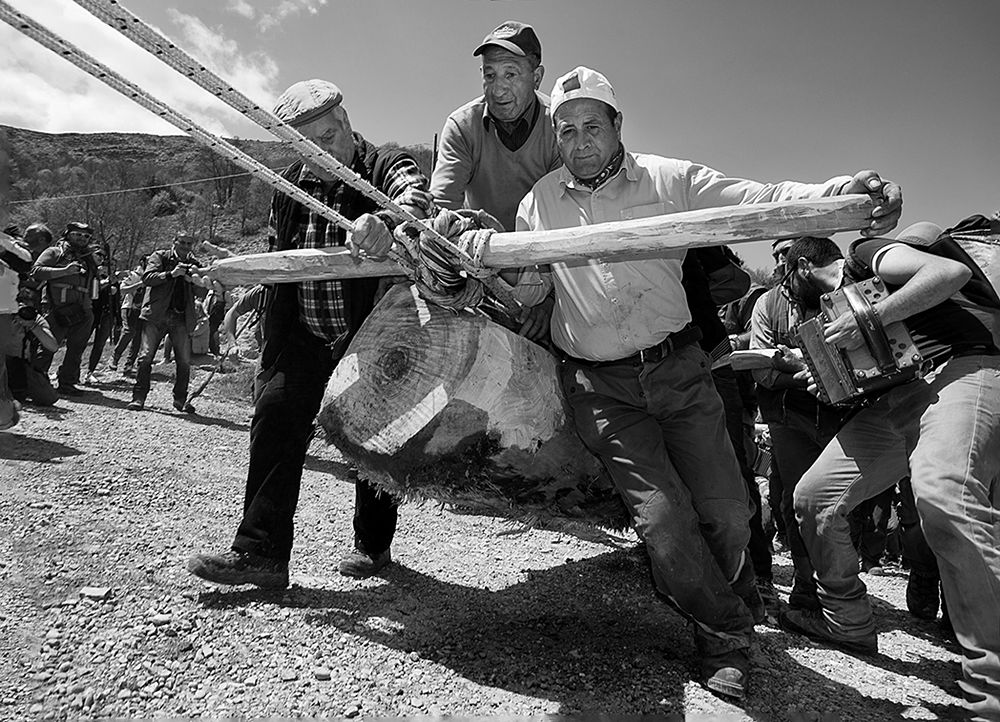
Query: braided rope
pixel 112 13
pixel 98 70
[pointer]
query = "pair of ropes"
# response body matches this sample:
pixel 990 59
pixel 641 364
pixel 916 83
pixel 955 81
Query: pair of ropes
pixel 414 234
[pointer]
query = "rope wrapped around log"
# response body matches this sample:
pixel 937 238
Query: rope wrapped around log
pixel 443 277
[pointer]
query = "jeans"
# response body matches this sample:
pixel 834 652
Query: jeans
pixel 76 337
pixel 289 395
pixel 130 339
pixel 659 430
pixel 176 329
pixel 944 432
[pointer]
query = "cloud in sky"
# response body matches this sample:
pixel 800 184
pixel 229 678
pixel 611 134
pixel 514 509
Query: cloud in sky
pixel 40 90
pixel 286 8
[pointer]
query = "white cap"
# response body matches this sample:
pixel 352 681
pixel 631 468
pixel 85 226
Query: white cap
pixel 582 82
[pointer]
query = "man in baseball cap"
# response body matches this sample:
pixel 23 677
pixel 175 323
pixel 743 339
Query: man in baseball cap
pixel 306 330
pixel 634 374
pixel 496 146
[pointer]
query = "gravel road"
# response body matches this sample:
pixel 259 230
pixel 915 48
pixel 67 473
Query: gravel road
pixel 100 507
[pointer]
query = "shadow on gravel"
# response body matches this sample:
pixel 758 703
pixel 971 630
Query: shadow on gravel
pixel 27 448
pixel 589 635
pixel 199 419
pixel 93 397
pixel 327 466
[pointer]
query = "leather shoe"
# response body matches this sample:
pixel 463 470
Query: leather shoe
pixel 136 405
pixel 361 565
pixel 922 597
pixel 235 567
pixel 813 625
pixel 728 674
pixel 185 407
pixel 69 390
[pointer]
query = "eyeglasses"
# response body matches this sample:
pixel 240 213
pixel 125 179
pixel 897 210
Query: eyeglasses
pixel 81 234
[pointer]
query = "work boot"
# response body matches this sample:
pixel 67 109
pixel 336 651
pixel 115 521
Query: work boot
pixel 803 594
pixel 136 405
pixel 235 567
pixel 727 674
pixel 922 597
pixel 814 625
pixel 361 565
pixel 769 595
pixel 69 390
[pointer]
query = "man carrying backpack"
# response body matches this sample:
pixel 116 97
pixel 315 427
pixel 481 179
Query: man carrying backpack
pixel 942 430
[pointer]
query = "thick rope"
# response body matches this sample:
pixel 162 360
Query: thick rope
pixel 112 13
pixel 96 69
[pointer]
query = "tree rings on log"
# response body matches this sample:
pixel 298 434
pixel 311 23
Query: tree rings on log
pixel 453 407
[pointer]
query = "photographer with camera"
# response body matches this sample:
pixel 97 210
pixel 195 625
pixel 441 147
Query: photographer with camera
pixel 168 309
pixel 68 271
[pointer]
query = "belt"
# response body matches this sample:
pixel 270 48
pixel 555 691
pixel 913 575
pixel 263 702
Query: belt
pixel 654 354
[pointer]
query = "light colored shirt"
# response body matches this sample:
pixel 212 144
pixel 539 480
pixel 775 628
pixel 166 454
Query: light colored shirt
pixel 475 170
pixel 610 310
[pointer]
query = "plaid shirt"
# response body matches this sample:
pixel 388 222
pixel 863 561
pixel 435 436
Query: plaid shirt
pixel 321 303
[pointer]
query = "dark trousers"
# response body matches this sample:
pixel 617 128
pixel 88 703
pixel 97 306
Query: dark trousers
pixel 289 394
pixel 869 523
pixel 916 551
pixel 130 339
pixel 176 330
pixel 759 546
pixel 103 321
pixel 75 337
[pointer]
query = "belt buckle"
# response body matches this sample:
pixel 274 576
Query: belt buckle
pixel 655 354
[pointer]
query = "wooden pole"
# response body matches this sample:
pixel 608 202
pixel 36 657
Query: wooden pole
pixel 616 240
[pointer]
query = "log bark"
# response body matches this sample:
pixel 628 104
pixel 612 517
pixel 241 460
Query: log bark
pixel 456 408
pixel 609 241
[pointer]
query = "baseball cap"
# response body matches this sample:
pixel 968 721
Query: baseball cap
pixel 77 227
pixel 307 100
pixel 582 82
pixel 514 36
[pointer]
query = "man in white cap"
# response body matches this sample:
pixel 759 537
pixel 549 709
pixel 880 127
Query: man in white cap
pixel 307 328
pixel 942 431
pixel 638 384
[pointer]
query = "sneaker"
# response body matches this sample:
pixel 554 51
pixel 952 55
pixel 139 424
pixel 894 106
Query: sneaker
pixel 813 625
pixel 113 366
pixel 922 596
pixel 234 567
pixel 128 371
pixel 728 674
pixel 185 407
pixel 361 565
pixel 90 379
pixel 69 390
pixel 136 405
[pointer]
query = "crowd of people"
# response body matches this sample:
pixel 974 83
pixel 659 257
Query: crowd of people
pixel 65 293
pixel 643 347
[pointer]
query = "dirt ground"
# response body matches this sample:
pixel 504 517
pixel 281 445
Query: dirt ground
pixel 100 507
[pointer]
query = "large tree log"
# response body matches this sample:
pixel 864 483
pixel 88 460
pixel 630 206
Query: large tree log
pixel 453 407
pixel 610 241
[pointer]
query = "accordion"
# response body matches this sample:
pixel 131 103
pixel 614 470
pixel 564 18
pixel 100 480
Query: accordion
pixel 887 358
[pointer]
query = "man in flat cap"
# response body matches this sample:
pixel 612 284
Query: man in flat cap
pixel 307 328
pixel 637 382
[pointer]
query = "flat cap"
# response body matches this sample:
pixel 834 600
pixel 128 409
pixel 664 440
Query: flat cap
pixel 307 100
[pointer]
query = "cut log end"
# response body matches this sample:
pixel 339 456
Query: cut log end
pixel 455 408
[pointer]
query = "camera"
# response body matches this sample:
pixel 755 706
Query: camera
pixel 27 303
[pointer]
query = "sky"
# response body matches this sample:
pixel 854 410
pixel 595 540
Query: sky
pixel 762 89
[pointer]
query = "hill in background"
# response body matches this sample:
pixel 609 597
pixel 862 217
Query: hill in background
pixel 137 190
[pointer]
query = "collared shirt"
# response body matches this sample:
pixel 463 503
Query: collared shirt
pixel 520 129
pixel 321 303
pixel 610 310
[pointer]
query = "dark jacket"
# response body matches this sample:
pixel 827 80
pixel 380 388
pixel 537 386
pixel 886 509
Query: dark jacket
pixel 160 288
